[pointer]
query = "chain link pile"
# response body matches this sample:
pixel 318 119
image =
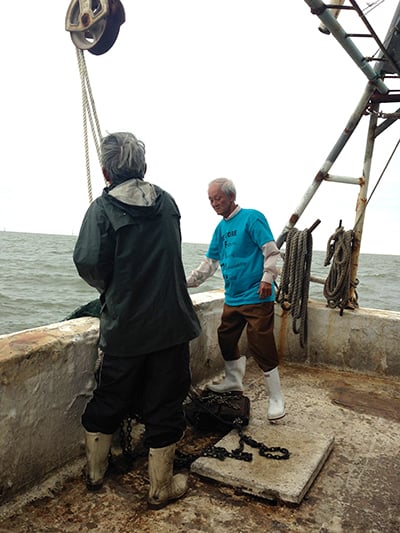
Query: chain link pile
pixel 221 453
pixel 184 460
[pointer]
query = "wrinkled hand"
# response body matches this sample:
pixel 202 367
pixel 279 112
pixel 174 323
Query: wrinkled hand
pixel 265 289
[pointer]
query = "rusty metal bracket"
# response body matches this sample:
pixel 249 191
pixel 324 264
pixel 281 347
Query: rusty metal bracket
pixel 84 14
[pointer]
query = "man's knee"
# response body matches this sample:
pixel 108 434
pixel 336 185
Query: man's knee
pixel 99 417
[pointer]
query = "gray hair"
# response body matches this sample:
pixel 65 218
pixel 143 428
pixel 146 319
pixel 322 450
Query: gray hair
pixel 227 186
pixel 123 157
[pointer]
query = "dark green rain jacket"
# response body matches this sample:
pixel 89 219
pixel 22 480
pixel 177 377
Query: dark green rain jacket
pixel 132 256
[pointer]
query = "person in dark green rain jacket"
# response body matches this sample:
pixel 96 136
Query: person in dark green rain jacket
pixel 129 249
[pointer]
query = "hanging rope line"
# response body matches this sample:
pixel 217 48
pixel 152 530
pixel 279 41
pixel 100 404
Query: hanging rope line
pixel 293 291
pixel 378 182
pixel 371 6
pixel 337 284
pixel 88 112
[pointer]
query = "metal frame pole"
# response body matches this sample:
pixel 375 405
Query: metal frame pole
pixel 333 155
pixel 323 12
pixel 362 204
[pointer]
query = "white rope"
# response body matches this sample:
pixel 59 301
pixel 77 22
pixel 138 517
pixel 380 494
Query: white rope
pixel 88 112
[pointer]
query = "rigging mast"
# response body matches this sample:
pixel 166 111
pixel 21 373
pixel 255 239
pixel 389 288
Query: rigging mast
pixel 382 73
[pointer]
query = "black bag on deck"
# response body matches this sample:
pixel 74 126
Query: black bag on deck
pixel 217 411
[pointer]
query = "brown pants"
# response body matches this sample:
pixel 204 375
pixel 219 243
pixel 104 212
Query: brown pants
pixel 260 333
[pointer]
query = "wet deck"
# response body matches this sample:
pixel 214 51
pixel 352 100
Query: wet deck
pixel 357 490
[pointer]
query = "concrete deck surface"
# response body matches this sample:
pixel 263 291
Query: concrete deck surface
pixel 356 491
pixel 285 481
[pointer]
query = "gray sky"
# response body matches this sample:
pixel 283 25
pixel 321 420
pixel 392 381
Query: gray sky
pixel 244 89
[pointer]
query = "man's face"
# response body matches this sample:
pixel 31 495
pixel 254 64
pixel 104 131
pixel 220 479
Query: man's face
pixel 222 203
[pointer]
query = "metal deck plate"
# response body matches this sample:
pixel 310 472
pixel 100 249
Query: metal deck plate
pixel 276 480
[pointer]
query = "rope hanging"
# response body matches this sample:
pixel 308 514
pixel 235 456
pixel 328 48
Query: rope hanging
pixel 337 284
pixel 378 181
pixel 88 112
pixel 295 279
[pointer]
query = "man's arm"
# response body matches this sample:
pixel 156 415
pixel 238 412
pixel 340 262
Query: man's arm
pixel 94 250
pixel 271 254
pixel 204 271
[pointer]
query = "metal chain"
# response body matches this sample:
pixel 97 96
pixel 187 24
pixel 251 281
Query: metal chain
pixel 126 441
pixel 125 436
pixel 219 452
pixel 213 398
pixel 265 451
pixel 184 460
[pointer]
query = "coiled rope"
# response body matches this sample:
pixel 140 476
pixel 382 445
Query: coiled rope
pixel 337 284
pixel 295 279
pixel 88 111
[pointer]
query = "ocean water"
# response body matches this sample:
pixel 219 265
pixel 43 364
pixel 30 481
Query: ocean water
pixel 39 284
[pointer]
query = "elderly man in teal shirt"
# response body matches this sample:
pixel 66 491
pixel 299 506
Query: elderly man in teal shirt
pixel 244 247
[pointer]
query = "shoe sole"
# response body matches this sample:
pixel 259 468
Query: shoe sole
pixel 276 417
pixel 161 505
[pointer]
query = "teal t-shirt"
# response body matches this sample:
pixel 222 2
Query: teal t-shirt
pixel 236 244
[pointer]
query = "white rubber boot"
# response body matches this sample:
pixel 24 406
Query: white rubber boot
pixel 234 373
pixel 97 450
pixel 164 486
pixel 276 403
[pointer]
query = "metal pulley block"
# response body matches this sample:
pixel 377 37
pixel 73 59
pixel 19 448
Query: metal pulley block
pixel 94 24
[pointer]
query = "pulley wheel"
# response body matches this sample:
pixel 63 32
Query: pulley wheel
pixel 111 31
pixel 99 36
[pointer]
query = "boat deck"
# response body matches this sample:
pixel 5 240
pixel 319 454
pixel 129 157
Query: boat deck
pixel 357 490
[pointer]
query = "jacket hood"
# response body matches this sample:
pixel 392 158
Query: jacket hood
pixel 121 213
pixel 134 192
